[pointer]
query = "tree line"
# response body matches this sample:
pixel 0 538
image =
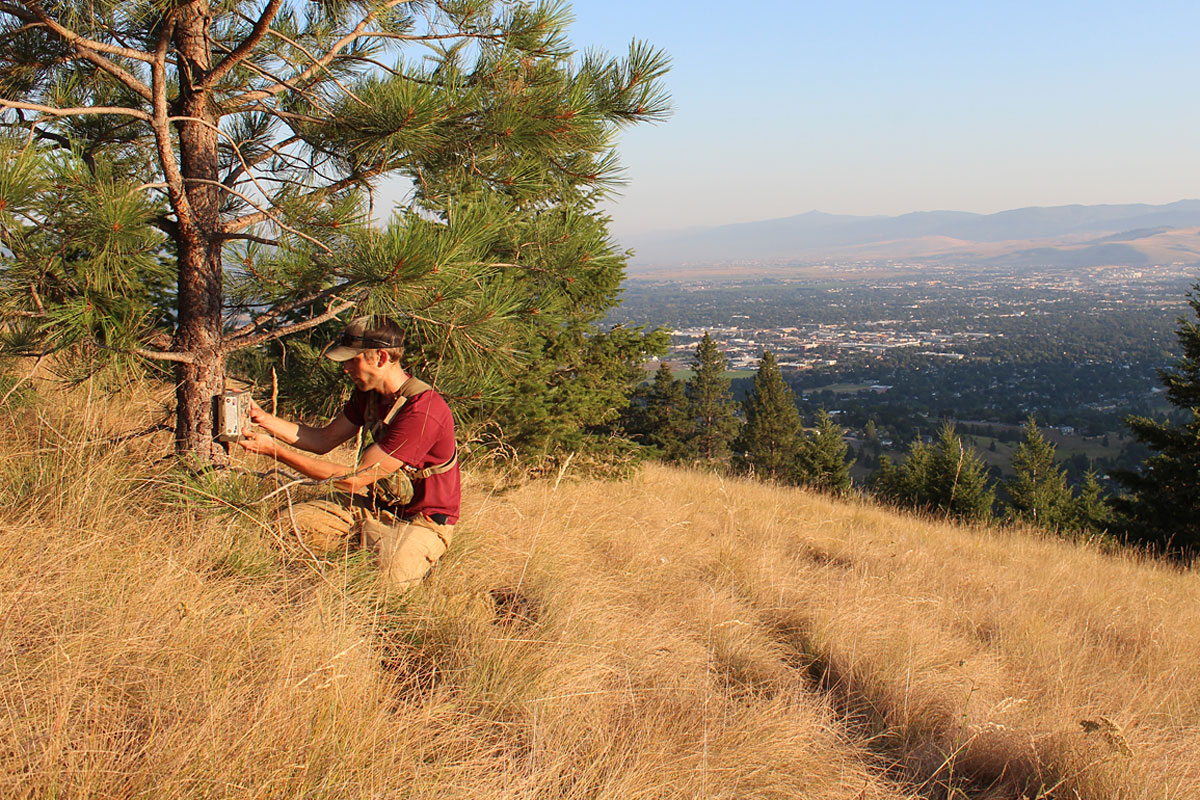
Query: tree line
pixel 697 421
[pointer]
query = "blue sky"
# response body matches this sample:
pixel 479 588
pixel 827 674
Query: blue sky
pixel 888 107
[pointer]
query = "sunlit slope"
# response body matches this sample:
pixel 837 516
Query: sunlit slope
pixel 675 636
pixel 970 656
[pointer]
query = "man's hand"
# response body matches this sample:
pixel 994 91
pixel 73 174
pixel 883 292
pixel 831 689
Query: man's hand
pixel 259 443
pixel 257 414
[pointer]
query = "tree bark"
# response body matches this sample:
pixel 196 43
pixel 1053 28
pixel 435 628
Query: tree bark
pixel 199 244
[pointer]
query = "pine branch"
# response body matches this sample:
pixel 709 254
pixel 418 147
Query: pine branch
pixel 122 75
pixel 37 299
pixel 287 84
pixel 239 53
pixel 321 63
pixel 248 237
pixel 155 355
pixel 160 355
pixel 269 150
pixel 247 220
pixel 297 327
pixel 382 67
pixel 314 59
pixel 62 142
pixel 226 186
pixel 34 11
pixel 85 49
pixel 280 310
pixel 162 135
pixel 267 215
pixel 78 111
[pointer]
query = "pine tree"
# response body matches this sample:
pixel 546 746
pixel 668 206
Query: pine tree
pixel 710 407
pixel 945 478
pixel 574 396
pixel 1091 510
pixel 1038 492
pixel 908 483
pixel 872 439
pixel 662 421
pixel 822 462
pixel 186 180
pixel 770 438
pixel 1162 508
pixel 884 482
pixel 959 480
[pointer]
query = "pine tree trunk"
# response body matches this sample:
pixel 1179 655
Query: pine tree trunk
pixel 199 246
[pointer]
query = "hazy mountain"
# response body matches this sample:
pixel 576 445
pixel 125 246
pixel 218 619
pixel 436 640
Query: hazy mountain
pixel 1063 235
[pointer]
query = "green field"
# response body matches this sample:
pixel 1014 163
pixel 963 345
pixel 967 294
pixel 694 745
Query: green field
pixel 733 374
pixel 839 388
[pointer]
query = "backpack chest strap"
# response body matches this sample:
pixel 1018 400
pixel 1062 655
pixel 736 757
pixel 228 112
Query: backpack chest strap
pixel 422 474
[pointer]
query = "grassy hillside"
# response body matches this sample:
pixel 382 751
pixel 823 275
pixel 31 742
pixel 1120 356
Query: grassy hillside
pixel 675 636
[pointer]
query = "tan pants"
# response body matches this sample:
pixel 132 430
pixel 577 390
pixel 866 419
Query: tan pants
pixel 407 549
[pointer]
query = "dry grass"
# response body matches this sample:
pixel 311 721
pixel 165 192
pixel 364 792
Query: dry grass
pixel 673 636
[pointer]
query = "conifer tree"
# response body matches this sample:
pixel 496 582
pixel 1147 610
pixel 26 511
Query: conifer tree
pixel 907 483
pixel 710 407
pixel 1092 512
pixel 662 420
pixel 185 180
pixel 573 397
pixel 959 479
pixel 1162 508
pixel 884 482
pixel 770 438
pixel 945 478
pixel 822 462
pixel 872 447
pixel 1038 492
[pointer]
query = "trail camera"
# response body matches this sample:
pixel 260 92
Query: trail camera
pixel 233 416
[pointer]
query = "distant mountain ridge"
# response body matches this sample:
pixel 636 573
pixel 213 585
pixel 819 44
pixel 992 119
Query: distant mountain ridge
pixel 1135 234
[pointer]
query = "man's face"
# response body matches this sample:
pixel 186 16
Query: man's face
pixel 365 370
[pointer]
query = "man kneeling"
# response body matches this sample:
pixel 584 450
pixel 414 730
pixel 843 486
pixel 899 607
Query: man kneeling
pixel 403 497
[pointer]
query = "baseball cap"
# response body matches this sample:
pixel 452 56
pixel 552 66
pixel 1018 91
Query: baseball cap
pixel 361 335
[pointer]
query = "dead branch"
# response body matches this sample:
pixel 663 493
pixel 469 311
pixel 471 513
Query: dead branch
pixel 287 330
pixel 76 111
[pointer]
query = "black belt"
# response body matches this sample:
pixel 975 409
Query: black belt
pixel 440 519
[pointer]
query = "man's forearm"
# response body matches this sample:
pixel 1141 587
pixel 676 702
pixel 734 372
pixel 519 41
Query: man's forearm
pixel 316 468
pixel 278 427
pixel 296 434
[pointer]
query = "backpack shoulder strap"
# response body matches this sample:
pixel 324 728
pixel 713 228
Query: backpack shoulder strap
pixel 410 389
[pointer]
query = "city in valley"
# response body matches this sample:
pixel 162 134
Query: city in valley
pixel 906 346
pixel 938 312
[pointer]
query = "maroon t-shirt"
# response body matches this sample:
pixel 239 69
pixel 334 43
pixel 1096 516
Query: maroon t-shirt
pixel 421 435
